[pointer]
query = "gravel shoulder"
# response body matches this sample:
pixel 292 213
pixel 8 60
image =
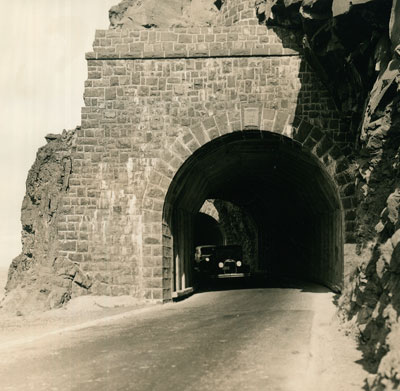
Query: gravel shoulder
pixel 335 357
pixel 82 311
pixel 79 313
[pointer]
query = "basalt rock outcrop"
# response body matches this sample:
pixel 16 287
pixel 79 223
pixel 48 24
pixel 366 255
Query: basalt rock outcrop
pixel 354 47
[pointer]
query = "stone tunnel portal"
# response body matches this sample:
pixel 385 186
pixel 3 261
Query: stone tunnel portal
pixel 286 190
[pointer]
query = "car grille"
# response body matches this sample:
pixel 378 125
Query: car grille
pixel 229 266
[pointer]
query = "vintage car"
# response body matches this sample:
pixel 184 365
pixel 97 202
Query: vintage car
pixel 220 261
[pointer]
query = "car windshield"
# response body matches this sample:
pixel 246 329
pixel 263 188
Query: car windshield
pixel 229 252
pixel 207 252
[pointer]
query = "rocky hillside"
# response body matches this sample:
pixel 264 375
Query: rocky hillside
pixel 140 14
pixel 37 279
pixel 3 281
pixel 355 48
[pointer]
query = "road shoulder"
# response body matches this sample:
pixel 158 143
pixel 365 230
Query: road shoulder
pixel 334 357
pixel 82 312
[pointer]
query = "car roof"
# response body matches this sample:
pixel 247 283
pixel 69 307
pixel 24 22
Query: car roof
pixel 219 246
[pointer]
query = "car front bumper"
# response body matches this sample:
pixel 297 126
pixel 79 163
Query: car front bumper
pixel 232 275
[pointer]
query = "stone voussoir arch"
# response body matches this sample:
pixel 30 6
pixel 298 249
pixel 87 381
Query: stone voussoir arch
pixel 157 239
pixel 293 129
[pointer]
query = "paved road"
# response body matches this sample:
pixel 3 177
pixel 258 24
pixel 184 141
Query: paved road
pixel 247 339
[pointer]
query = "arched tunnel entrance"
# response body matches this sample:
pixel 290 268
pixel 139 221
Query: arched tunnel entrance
pixel 285 188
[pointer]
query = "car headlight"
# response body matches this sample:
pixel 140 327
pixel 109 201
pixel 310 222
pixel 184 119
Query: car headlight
pixel 207 259
pixel 238 263
pixel 221 265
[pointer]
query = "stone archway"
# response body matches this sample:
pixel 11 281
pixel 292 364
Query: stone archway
pixel 327 190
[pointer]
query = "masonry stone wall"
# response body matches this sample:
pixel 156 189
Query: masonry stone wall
pixel 237 12
pixel 150 97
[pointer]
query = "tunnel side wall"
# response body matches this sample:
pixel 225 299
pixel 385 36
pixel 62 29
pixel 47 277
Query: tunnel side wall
pixel 152 98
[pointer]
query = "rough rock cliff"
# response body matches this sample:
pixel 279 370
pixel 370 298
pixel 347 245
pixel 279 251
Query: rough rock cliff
pixel 355 48
pixel 152 13
pixel 37 278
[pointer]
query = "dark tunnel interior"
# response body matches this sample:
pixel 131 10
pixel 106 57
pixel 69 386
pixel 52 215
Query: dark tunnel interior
pixel 285 189
pixel 206 230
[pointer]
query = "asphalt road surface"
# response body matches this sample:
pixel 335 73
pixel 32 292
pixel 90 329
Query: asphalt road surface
pixel 243 339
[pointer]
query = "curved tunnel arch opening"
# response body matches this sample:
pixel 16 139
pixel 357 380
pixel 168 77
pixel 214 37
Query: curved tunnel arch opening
pixel 285 188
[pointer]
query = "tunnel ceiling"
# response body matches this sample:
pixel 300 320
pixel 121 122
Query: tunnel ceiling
pixel 257 173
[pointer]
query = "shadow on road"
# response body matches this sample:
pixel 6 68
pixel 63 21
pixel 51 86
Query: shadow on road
pixel 260 282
